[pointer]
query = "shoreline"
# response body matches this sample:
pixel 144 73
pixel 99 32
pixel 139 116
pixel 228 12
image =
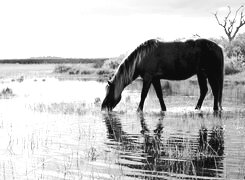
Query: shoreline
pixel 85 71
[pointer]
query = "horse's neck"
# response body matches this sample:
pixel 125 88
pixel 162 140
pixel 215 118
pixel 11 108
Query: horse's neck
pixel 119 85
pixel 123 76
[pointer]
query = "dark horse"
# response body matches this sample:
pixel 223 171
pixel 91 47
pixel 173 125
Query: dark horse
pixel 154 60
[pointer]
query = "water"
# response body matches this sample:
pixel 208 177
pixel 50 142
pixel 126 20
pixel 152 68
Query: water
pixel 54 129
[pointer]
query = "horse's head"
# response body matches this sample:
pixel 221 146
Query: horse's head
pixel 110 100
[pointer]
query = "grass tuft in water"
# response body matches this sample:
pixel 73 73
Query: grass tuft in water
pixel 6 93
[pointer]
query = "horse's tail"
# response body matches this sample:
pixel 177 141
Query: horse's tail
pixel 215 52
pixel 220 74
pixel 221 80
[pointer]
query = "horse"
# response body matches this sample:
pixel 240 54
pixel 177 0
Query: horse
pixel 154 60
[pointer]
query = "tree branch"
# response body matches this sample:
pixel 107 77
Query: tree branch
pixel 229 24
pixel 242 22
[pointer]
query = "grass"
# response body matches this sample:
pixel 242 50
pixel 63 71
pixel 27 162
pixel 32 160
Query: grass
pixel 238 78
pixel 6 93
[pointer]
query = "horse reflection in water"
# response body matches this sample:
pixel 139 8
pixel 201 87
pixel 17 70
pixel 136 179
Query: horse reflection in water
pixel 159 157
pixel 211 149
pixel 152 143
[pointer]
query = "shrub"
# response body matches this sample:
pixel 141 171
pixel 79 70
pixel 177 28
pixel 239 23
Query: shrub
pixel 232 66
pixel 231 69
pixel 234 53
pixel 103 72
pixel 86 72
pixel 111 64
pixel 98 64
pixel 62 69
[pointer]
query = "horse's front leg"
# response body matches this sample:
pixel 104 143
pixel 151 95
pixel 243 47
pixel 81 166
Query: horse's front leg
pixel 145 89
pixel 157 86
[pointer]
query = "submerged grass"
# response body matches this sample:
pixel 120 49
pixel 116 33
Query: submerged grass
pixel 63 108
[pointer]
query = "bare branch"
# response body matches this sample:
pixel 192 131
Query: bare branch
pixel 226 18
pixel 234 19
pixel 242 22
pixel 229 24
pixel 230 29
pixel 216 16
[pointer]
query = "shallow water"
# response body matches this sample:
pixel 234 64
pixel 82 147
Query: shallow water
pixel 54 129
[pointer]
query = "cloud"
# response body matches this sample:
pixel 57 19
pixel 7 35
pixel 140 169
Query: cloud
pixel 173 7
pixel 100 28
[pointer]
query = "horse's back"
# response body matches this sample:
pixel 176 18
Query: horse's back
pixel 177 60
pixel 181 60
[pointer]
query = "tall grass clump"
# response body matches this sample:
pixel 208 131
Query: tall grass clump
pixel 6 93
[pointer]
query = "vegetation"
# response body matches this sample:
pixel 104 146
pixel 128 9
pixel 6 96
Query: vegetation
pixel 231 69
pixel 62 69
pixel 6 93
pixel 50 60
pixel 234 53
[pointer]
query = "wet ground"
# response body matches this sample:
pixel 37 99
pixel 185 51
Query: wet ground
pixel 52 128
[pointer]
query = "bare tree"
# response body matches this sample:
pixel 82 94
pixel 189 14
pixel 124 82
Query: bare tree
pixel 230 25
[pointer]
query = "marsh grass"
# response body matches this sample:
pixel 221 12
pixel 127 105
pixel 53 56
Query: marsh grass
pixel 6 93
pixel 63 108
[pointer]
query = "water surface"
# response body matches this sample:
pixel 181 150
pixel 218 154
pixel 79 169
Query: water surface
pixel 54 129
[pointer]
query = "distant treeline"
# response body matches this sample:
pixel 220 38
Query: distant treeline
pixel 51 61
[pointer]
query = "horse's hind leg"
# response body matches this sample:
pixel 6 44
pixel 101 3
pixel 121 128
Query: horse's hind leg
pixel 202 81
pixel 157 86
pixel 145 89
pixel 214 83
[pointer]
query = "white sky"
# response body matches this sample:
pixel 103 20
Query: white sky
pixel 101 28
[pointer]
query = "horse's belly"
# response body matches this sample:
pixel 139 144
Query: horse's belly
pixel 175 75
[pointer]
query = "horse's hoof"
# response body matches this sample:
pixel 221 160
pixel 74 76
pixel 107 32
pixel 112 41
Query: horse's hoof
pixel 216 109
pixel 197 108
pixel 217 113
pixel 139 110
pixel 164 109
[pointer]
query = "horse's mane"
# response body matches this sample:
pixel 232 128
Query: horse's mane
pixel 126 70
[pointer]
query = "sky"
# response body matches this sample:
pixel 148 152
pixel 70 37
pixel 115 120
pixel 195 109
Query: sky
pixel 102 28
